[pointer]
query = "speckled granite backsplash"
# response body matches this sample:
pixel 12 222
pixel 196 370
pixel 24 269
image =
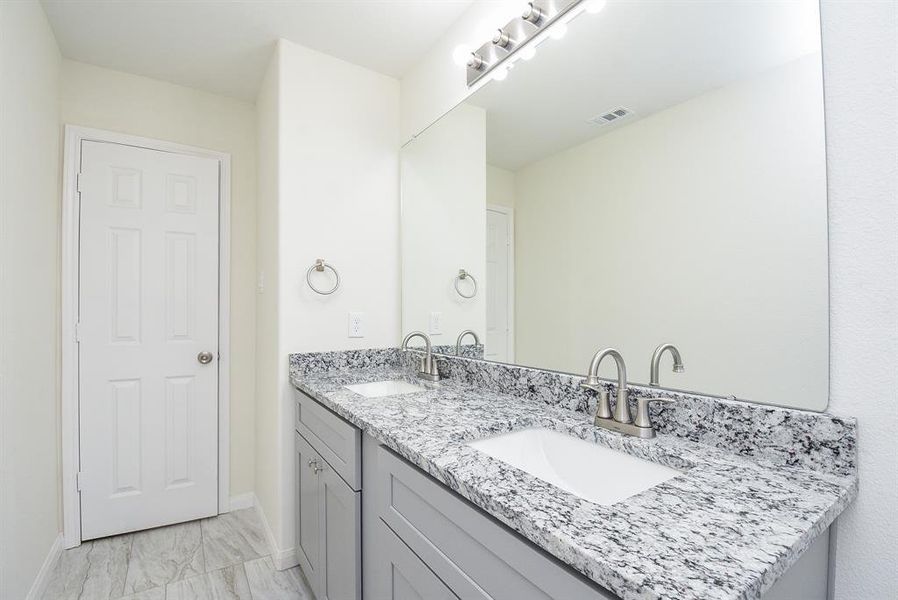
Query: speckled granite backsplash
pixel 781 436
pixel 467 350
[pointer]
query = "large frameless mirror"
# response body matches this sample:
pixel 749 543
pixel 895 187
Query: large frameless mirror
pixel 656 175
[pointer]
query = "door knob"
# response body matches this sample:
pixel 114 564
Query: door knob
pixel 204 358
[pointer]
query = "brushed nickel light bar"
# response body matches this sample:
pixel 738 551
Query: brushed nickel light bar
pixel 536 17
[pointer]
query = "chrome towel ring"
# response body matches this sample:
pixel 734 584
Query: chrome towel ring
pixel 462 274
pixel 320 266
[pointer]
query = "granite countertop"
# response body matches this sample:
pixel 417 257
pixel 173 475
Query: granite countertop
pixel 726 528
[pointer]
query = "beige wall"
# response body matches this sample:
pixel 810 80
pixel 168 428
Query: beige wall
pixel 105 99
pixel 330 184
pixel 703 225
pixel 444 185
pixel 860 66
pixel 499 186
pixel 435 84
pixel 268 368
pixel 29 295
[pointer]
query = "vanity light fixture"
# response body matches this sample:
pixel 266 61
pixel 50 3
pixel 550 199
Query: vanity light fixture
pixel 501 39
pixel 475 61
pixel 521 35
pixel 532 13
pixel 461 54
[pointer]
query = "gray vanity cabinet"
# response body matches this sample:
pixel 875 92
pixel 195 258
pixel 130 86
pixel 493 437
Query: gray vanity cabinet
pixel 341 552
pixel 398 574
pixel 328 506
pixel 470 552
pixel 308 510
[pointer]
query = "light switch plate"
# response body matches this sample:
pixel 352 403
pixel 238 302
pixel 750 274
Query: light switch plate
pixel 436 323
pixel 356 325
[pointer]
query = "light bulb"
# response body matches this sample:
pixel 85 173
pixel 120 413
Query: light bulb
pixel 527 52
pixel 483 30
pixel 594 6
pixel 461 54
pixel 558 31
pixel 500 73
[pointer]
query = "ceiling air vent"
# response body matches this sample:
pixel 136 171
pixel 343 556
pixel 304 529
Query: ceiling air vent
pixel 612 116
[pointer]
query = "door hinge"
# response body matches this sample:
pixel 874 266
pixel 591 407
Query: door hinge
pixel 78 481
pixel 78 332
pixel 78 182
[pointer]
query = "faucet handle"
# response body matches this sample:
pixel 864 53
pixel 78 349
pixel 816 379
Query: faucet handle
pixel 643 419
pixel 603 407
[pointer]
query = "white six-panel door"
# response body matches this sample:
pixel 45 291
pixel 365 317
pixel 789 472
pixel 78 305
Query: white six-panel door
pixel 148 306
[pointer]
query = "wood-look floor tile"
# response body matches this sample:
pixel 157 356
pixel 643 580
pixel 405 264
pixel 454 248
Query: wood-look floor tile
pixel 153 594
pixel 164 555
pixel 94 570
pixel 233 538
pixel 266 583
pixel 224 584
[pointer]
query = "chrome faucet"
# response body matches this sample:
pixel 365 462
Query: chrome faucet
pixel 621 420
pixel 428 368
pixel 463 334
pixel 656 363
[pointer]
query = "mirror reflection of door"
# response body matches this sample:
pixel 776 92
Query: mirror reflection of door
pixel 499 344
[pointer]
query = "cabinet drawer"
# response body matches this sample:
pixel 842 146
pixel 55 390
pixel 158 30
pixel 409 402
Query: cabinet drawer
pixel 338 442
pixel 475 555
pixel 400 575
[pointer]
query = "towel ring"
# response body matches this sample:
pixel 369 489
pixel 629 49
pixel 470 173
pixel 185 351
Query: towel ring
pixel 320 266
pixel 462 274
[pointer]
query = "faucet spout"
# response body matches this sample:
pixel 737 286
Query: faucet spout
pixel 654 377
pixel 412 336
pixel 622 406
pixel 428 369
pixel 462 335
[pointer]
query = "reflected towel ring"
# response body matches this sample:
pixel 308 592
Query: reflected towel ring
pixel 320 266
pixel 462 274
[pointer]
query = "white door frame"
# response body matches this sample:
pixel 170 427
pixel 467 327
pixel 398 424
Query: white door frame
pixel 74 135
pixel 509 212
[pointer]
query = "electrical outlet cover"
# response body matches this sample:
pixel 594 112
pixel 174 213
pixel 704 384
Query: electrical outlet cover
pixel 436 323
pixel 356 325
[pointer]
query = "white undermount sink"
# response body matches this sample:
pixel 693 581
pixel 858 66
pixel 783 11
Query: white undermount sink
pixel 585 469
pixel 380 389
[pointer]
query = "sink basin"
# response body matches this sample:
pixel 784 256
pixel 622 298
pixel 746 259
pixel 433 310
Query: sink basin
pixel 380 389
pixel 585 469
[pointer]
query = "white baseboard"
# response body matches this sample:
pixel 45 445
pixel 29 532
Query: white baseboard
pixel 40 582
pixel 241 501
pixel 282 559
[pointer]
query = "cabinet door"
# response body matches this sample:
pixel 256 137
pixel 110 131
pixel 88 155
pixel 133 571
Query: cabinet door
pixel 308 500
pixel 398 574
pixel 341 539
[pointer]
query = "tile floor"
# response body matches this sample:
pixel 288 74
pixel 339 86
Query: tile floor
pixel 224 557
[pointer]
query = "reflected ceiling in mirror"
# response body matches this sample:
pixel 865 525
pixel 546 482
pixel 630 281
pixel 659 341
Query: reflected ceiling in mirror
pixel 656 175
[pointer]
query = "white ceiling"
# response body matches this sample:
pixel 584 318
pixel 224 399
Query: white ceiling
pixel 223 46
pixel 645 56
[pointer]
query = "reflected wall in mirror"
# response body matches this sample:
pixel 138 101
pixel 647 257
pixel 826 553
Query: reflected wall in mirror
pixel 657 175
